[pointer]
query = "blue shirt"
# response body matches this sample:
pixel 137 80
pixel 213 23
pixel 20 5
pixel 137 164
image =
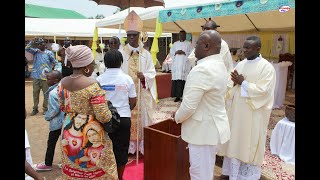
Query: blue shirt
pixel 54 114
pixel 43 61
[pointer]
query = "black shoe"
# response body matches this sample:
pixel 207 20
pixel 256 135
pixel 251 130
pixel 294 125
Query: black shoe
pixel 34 112
pixel 224 177
pixel 177 99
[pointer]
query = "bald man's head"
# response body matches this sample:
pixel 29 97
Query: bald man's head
pixel 209 43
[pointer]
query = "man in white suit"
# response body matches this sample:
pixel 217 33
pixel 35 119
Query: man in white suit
pixel 202 111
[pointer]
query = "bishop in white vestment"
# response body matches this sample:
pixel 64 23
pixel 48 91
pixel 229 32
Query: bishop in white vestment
pixel 138 64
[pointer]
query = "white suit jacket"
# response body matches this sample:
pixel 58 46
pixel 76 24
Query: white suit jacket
pixel 202 111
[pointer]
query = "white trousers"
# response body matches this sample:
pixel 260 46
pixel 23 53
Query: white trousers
pixel 237 170
pixel 202 160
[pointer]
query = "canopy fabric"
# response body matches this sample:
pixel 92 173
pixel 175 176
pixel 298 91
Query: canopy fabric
pixel 147 15
pixel 48 12
pixel 253 15
pixel 71 28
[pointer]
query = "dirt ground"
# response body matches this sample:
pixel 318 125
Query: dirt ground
pixel 38 131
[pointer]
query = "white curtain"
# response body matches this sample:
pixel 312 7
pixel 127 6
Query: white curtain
pixel 236 40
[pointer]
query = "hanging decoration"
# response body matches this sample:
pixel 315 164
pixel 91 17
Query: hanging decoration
pixel 263 1
pixel 199 9
pixel 217 6
pixel 55 47
pixel 183 11
pixel 239 3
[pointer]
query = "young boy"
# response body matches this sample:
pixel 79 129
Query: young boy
pixel 122 94
pixel 55 116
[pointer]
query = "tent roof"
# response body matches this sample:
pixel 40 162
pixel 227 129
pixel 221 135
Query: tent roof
pixel 253 15
pixel 48 12
pixel 148 15
pixel 70 27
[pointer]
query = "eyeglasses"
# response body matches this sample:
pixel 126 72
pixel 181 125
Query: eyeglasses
pixel 112 43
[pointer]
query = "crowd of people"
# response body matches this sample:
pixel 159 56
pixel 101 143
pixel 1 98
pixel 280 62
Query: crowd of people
pixel 224 109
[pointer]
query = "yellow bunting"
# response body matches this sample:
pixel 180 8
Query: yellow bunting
pixel 94 42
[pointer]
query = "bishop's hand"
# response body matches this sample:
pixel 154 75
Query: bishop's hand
pixel 140 75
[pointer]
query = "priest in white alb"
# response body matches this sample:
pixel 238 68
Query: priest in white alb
pixel 134 55
pixel 180 66
pixel 252 98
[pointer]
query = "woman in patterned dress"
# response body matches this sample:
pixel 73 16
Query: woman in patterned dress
pixel 84 103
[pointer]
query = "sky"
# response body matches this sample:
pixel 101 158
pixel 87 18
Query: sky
pixel 91 9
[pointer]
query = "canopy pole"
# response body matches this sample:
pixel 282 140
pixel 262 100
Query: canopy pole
pixel 139 118
pixel 252 23
pixel 166 46
pixel 100 47
pixel 178 25
pixel 129 7
pixel 119 31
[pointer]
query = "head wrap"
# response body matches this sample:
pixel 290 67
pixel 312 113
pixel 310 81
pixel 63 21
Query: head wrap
pixel 133 22
pixel 79 55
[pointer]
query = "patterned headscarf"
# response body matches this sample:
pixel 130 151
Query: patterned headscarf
pixel 79 55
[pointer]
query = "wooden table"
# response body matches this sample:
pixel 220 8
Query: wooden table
pixel 163 81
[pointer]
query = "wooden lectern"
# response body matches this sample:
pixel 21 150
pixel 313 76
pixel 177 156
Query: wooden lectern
pixel 166 156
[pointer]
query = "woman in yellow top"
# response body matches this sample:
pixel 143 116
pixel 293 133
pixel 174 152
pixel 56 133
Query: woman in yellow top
pixel 83 101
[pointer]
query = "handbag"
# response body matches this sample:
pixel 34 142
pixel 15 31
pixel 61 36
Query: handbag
pixel 114 122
